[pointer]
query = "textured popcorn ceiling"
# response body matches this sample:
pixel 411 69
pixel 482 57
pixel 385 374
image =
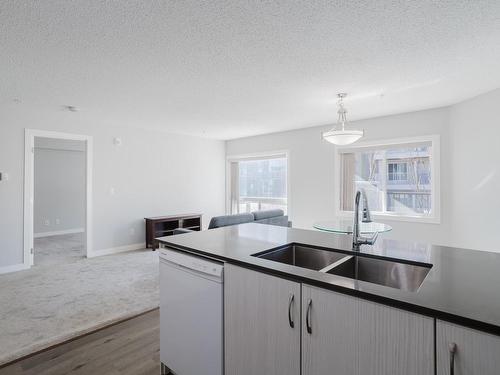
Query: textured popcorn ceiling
pixel 226 69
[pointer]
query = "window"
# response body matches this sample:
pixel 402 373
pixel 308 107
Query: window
pixel 398 171
pixel 398 177
pixel 258 183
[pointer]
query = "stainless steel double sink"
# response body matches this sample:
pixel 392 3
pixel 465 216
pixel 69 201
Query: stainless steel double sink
pixel 402 275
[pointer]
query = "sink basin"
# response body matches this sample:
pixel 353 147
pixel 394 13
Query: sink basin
pixel 302 256
pixel 398 275
pixel 393 274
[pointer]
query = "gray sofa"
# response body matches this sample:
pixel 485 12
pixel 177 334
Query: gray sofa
pixel 271 217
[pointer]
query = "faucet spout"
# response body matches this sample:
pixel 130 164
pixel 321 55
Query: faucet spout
pixel 357 239
pixel 366 210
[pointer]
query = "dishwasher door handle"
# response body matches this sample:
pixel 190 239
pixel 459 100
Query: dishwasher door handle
pixel 197 272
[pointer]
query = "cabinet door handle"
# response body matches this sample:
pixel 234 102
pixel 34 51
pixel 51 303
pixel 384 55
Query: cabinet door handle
pixel 453 349
pixel 290 317
pixel 308 316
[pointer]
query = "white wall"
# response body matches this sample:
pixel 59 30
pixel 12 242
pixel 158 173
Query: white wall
pixel 312 167
pixel 153 173
pixel 475 177
pixel 470 170
pixel 59 183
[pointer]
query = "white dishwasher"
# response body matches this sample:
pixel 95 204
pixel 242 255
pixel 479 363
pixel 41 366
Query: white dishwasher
pixel 191 314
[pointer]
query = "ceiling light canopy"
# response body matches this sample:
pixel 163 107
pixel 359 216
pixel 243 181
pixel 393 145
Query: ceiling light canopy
pixel 342 136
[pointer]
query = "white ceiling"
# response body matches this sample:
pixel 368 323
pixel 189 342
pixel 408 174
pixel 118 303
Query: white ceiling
pixel 227 69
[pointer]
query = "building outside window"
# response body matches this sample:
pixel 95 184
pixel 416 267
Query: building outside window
pixel 258 184
pixel 396 177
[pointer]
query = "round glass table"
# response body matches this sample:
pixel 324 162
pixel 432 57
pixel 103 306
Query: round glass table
pixel 344 225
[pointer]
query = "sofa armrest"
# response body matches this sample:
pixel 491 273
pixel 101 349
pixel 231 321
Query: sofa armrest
pixel 182 231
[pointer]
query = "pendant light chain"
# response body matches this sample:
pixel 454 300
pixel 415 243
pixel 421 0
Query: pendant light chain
pixel 342 111
pixel 342 136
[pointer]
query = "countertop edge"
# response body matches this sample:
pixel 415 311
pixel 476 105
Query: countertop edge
pixel 403 305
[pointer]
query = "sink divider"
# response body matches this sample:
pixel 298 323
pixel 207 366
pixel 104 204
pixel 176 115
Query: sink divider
pixel 337 263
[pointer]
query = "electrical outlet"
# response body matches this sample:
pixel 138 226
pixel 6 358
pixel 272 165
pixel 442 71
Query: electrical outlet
pixel 46 222
pixel 112 191
pixel 131 231
pixel 58 221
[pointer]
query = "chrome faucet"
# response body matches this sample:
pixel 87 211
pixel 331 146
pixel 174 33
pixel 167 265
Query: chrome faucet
pixel 357 239
pixel 366 210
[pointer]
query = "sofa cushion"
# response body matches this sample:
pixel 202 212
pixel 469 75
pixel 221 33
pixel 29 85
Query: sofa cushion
pixel 267 214
pixel 226 220
pixel 281 221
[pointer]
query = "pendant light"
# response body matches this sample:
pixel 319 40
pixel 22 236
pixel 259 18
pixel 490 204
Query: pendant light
pixel 342 136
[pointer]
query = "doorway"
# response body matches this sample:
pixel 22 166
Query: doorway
pixel 58 172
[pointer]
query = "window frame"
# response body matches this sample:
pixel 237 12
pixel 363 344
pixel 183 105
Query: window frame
pixel 435 164
pixel 258 156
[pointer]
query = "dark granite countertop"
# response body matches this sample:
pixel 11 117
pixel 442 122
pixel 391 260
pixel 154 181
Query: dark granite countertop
pixel 463 286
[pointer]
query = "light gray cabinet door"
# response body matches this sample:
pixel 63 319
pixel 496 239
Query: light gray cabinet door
pixel 352 336
pixel 258 319
pixel 476 352
pixel 329 345
pixel 394 341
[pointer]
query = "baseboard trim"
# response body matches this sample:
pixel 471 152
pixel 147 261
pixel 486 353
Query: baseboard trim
pixel 115 250
pixel 13 268
pixel 59 232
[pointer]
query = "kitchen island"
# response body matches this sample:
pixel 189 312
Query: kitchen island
pixel 340 324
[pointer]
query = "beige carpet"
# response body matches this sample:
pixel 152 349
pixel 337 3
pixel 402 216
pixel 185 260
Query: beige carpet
pixel 52 303
pixel 66 248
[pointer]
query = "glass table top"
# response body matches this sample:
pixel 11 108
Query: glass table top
pixel 344 225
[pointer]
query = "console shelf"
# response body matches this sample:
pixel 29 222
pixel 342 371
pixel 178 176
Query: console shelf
pixel 160 226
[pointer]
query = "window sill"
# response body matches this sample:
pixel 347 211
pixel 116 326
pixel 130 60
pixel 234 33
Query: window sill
pixel 402 218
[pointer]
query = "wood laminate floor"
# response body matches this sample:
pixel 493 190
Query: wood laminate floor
pixel 128 348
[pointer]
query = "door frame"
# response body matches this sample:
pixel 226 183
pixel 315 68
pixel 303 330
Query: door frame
pixel 29 177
